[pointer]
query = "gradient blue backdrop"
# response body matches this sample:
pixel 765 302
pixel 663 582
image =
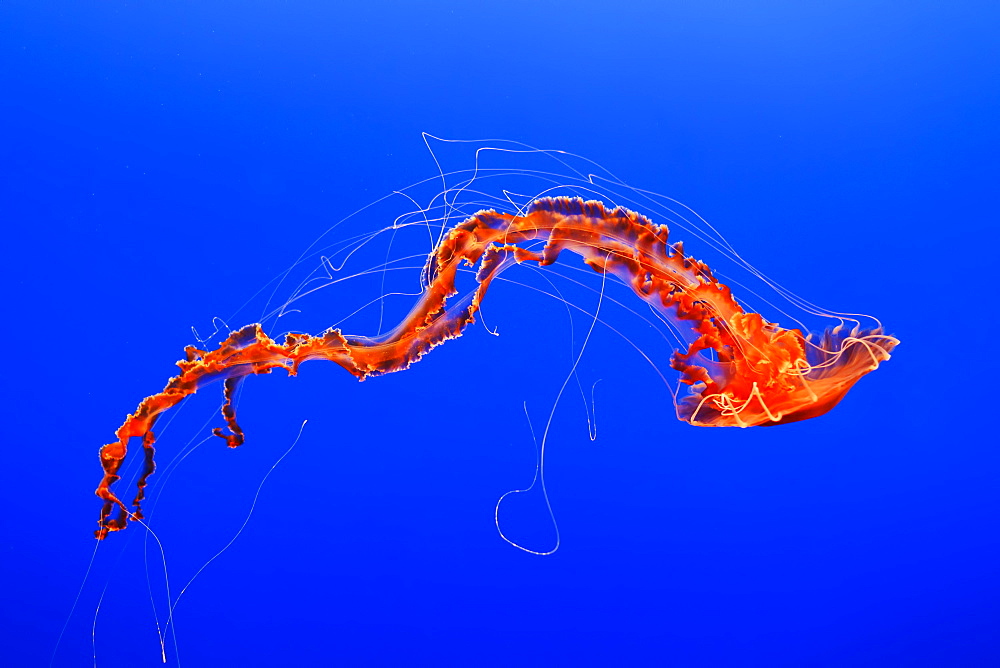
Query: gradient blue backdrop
pixel 161 161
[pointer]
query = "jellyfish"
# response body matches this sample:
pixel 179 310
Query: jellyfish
pixel 735 368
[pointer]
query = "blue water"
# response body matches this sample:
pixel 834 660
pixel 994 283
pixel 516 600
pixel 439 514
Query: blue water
pixel 162 162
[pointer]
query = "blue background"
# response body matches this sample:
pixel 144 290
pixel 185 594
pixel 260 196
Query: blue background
pixel 163 161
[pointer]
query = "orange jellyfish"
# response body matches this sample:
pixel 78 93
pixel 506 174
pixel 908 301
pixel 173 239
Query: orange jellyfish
pixel 739 369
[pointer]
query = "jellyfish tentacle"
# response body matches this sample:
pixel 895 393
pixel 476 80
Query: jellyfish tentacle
pixel 740 369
